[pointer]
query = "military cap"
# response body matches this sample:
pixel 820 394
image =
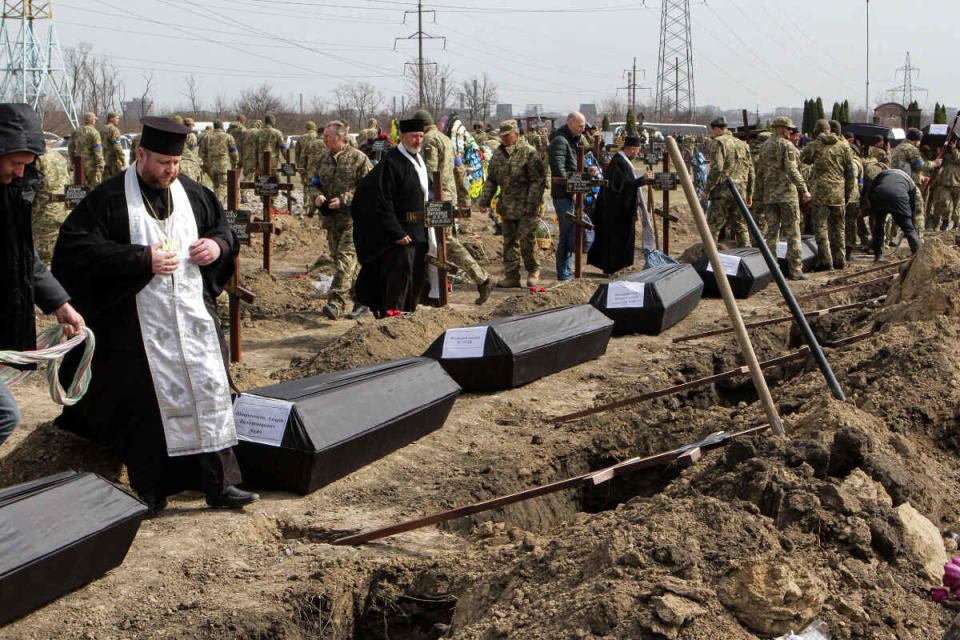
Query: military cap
pixel 783 121
pixel 218 124
pixel 821 126
pixel 270 119
pixel 188 121
pixel 163 135
pixel 632 141
pixel 877 153
pixel 719 122
pixel 412 125
pixel 875 140
pixel 423 114
pixel 177 119
pixel 372 122
pixel 836 127
pixel 20 129
pixel 311 125
pixel 113 114
pixel 508 126
pixel 89 115
pixel 914 134
pixel 257 124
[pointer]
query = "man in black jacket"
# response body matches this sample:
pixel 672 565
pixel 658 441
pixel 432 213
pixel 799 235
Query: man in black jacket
pixel 893 191
pixel 24 279
pixel 563 161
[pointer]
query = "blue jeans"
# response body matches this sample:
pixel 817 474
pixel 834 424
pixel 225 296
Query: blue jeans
pixel 563 206
pixel 9 413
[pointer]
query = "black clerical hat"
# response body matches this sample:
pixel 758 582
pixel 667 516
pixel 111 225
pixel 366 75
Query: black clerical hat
pixel 412 124
pixel 163 136
pixel 632 141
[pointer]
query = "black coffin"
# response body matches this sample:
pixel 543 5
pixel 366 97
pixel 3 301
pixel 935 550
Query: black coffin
pixel 670 293
pixel 59 533
pixel 345 420
pixel 523 348
pixel 808 253
pixel 752 273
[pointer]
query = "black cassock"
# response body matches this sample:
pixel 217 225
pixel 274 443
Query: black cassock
pixel 103 273
pixel 615 219
pixel 392 276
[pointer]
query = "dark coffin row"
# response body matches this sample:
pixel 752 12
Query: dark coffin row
pixel 345 420
pixel 59 533
pixel 808 254
pixel 752 273
pixel 523 348
pixel 670 293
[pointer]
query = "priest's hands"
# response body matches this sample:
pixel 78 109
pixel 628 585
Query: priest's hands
pixel 204 251
pixel 66 314
pixel 161 262
pixel 405 240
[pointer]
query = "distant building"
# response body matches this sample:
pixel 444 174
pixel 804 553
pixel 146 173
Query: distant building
pixel 891 114
pixel 136 109
pixel 589 111
pixel 534 110
pixel 504 111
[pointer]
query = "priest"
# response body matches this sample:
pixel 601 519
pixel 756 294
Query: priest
pixel 391 246
pixel 615 215
pixel 144 256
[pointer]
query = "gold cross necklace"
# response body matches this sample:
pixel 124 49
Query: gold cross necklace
pixel 169 244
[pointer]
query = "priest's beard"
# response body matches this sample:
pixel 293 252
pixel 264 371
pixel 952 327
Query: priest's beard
pixel 158 171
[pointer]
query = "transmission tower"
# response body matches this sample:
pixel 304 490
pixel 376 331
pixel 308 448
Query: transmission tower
pixel 33 68
pixel 906 90
pixel 675 62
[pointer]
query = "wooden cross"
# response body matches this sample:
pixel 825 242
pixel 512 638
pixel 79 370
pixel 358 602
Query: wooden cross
pixel 235 292
pixel 267 186
pixel 77 191
pixel 440 214
pixel 579 183
pixel 666 182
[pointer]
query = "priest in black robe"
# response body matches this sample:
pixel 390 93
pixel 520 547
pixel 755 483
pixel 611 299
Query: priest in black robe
pixel 392 247
pixel 146 273
pixel 615 214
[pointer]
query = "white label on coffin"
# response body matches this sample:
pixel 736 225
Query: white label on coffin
pixel 781 250
pixel 939 129
pixel 731 264
pixel 261 420
pixel 464 343
pixel 624 295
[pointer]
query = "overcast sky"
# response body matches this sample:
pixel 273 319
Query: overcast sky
pixel 747 53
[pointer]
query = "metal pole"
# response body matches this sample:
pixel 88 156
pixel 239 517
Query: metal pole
pixel 420 48
pixel 866 102
pixel 746 347
pixel 798 316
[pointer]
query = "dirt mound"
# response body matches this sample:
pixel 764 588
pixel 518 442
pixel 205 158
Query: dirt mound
pixel 929 286
pixel 278 296
pixel 48 450
pixel 564 293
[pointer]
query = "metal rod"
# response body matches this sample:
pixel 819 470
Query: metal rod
pixel 788 296
pixel 693 384
pixel 781 319
pixel 870 270
pixel 575 482
pixel 827 292
pixel 743 338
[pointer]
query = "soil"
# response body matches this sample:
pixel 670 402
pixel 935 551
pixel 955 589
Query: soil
pixel 756 538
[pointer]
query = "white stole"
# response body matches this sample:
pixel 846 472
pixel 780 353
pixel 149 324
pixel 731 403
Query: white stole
pixel 421 166
pixel 647 238
pixel 179 337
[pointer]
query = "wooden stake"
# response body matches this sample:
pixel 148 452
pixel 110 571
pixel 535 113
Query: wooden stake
pixel 746 347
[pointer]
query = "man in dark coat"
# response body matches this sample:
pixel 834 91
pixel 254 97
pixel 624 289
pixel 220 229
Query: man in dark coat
pixel 615 216
pixel 391 248
pixel 144 256
pixel 24 279
pixel 892 191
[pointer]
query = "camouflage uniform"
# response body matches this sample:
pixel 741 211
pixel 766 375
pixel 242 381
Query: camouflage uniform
pixel 85 142
pixel 249 158
pixel 270 139
pixel 337 176
pixel 758 210
pixel 906 157
pixel 47 215
pixel 946 192
pixel 218 150
pixel 439 155
pixel 729 158
pixel 778 183
pixel 831 182
pixel 190 160
pixel 303 143
pixel 519 173
pixel 311 154
pixel 113 158
pixel 853 222
pixel 134 145
pixel 369 132
pixel 237 130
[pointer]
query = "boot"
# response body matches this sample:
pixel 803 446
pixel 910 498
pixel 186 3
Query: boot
pixel 509 283
pixel 331 311
pixel 483 290
pixel 533 277
pixel 232 498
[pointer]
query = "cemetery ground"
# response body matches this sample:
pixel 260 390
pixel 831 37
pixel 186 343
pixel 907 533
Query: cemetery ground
pixel 757 538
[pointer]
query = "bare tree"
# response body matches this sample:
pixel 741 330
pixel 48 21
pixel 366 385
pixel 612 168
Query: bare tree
pixel 364 99
pixel 478 95
pixel 76 61
pixel 343 103
pixel 439 88
pixel 259 101
pixel 146 100
pixel 191 91
pixel 614 108
pixel 220 105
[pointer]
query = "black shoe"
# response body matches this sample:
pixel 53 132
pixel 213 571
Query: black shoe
pixel 154 504
pixel 232 498
pixel 330 311
pixel 359 310
pixel 799 276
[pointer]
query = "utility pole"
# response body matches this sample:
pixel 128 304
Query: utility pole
pixel 866 102
pixel 632 86
pixel 420 35
pixel 676 45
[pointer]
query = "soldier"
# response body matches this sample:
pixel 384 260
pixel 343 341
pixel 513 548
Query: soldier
pixel 874 162
pixel 85 142
pixel 190 161
pixel 906 157
pixel 438 154
pixel 303 142
pixel 832 181
pixel 133 148
pixel 778 182
pixel 218 150
pixel 237 129
pixel 854 223
pixel 946 190
pixel 270 139
pixel 729 158
pixel 47 215
pixel 349 138
pixel 372 131
pixel 759 212
pixel 335 174
pixel 479 134
pixel 113 158
pixel 249 158
pixel 517 169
